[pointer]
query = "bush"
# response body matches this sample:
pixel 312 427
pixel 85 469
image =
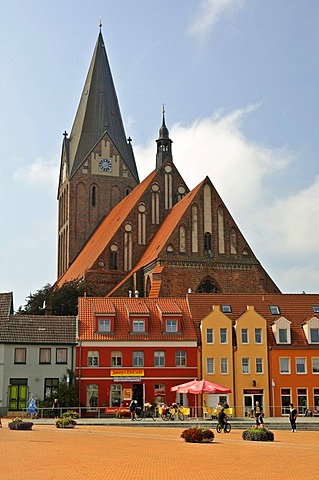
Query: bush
pixel 197 434
pixel 67 420
pixel 18 424
pixel 258 435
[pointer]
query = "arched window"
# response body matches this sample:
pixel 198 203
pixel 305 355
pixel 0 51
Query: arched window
pixel 182 239
pixel 194 229
pixel 168 189
pixel 155 204
pixel 207 286
pixel 128 247
pixel 141 224
pixel 208 243
pixel 93 196
pixel 221 235
pixel 170 248
pixel 181 192
pixel 113 257
pixel 233 241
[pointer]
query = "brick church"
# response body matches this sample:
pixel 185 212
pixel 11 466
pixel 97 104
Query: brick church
pixel 155 237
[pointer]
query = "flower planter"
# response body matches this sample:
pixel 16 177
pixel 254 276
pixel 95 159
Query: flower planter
pixel 20 425
pixel 198 435
pixel 258 435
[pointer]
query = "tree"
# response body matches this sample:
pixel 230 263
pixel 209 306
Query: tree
pixel 59 301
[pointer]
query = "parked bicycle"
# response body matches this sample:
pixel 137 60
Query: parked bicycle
pixel 172 412
pixel 149 411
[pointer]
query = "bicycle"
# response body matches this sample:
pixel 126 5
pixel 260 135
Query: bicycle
pixel 142 413
pixel 170 413
pixel 226 427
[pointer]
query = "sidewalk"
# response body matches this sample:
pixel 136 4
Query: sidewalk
pixel 137 453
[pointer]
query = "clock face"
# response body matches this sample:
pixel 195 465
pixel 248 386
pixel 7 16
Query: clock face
pixel 105 165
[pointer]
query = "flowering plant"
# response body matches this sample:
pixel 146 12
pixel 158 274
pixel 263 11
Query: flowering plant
pixel 197 434
pixel 18 424
pixel 258 435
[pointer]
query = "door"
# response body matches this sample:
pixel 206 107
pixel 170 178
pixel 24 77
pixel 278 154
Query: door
pixel 138 393
pixel 18 394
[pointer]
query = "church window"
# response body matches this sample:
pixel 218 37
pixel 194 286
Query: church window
pixel 128 191
pixel 207 286
pixel 113 257
pixel 194 229
pixel 233 242
pixel 170 248
pixel 128 246
pixel 208 244
pixel 141 224
pixel 168 191
pixel 93 196
pixel 155 204
pixel 101 264
pixel 207 209
pixel 245 252
pixel 221 234
pixel 181 192
pixel 182 239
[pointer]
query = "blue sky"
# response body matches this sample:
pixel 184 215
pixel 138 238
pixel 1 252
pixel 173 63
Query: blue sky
pixel 239 79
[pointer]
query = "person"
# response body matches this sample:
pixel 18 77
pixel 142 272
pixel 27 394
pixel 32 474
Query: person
pixel 55 408
pixel 308 412
pixel 32 408
pixel 258 414
pixel 132 408
pixel 222 418
pixel 293 414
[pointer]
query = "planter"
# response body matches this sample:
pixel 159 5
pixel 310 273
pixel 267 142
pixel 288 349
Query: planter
pixel 20 425
pixel 258 435
pixel 198 435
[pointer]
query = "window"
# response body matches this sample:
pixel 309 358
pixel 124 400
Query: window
pixel 171 326
pixel 244 335
pixel 45 355
pixel 315 365
pixel 104 325
pixel 50 387
pixel 284 365
pixel 258 335
pixel 302 399
pixel 138 359
pixel 315 308
pixel 93 358
pixel 116 358
pixel 141 224
pixel 285 400
pixel 116 395
pixel 138 325
pixel 259 365
pixel 301 365
pixel 314 335
pixel 20 355
pixel 223 335
pixel 316 399
pixel 92 396
pixel 208 244
pixel 283 335
pixel 210 365
pixel 209 335
pixel 61 355
pixel 113 257
pixel 180 358
pixel 274 310
pixel 226 308
pixel 245 365
pixel 224 365
pixel 159 359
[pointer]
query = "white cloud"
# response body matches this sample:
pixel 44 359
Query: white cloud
pixel 278 227
pixel 210 12
pixel 40 173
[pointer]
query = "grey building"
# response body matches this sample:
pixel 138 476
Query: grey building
pixel 35 352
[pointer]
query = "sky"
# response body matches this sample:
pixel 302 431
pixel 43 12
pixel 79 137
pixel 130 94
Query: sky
pixel 239 80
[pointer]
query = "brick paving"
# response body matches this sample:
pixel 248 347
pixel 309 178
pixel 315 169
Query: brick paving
pixel 152 453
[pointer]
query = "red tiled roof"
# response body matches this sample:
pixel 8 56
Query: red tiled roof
pixel 162 235
pixel 104 233
pixel 89 305
pixel 155 288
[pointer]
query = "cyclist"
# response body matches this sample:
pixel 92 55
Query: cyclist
pixel 222 418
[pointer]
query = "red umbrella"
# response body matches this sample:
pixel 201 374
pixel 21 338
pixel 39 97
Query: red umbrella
pixel 204 386
pixel 183 387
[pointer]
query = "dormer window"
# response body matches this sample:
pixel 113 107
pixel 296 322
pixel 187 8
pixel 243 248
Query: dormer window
pixel 274 310
pixel 104 325
pixel 311 329
pixel 138 325
pixel 171 326
pixel 315 309
pixel 226 308
pixel 314 335
pixel 281 330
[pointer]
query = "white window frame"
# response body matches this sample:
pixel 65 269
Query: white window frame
pixel 93 358
pixel 224 366
pixel 310 334
pixel 210 366
pixel 138 325
pixel 259 364
pixel 104 325
pixel 315 360
pixel 301 362
pixel 245 366
pixel 258 336
pixel 286 334
pixel 209 332
pixel 116 358
pixel 159 358
pixel 244 331
pixel 181 358
pixel 171 325
pixel 223 332
pixel 281 370
pixel 138 358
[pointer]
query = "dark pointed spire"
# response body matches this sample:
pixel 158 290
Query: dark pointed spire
pixel 164 143
pixel 99 113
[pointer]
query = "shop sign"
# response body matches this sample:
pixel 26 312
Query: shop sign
pixel 253 392
pixel 127 379
pixel 131 372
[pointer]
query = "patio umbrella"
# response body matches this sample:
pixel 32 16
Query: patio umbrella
pixel 183 387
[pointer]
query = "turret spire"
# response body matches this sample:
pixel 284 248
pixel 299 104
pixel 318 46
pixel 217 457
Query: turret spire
pixel 164 143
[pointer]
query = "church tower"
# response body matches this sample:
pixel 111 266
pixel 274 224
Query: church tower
pixel 97 167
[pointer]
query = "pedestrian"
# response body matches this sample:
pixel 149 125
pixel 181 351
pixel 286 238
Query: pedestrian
pixel 259 414
pixel 132 408
pixel 293 414
pixel 56 408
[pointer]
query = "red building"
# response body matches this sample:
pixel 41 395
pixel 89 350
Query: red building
pixel 134 348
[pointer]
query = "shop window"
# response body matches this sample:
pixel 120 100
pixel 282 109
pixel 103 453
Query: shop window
pixel 92 396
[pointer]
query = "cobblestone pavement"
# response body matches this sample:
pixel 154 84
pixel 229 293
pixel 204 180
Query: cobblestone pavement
pixel 138 453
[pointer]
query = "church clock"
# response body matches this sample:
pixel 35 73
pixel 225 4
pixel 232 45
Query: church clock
pixel 105 165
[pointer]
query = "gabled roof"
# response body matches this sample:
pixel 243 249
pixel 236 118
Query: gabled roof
pixel 98 113
pixel 90 306
pixel 162 235
pixel 42 329
pixel 104 233
pixel 294 307
pixel 6 304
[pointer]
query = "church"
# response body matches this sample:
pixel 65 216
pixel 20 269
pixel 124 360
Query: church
pixel 150 238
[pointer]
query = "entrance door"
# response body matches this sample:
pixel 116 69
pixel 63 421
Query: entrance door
pixel 250 401
pixel 138 393
pixel 18 394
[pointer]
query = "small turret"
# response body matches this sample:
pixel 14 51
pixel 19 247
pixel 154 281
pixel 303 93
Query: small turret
pixel 164 144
